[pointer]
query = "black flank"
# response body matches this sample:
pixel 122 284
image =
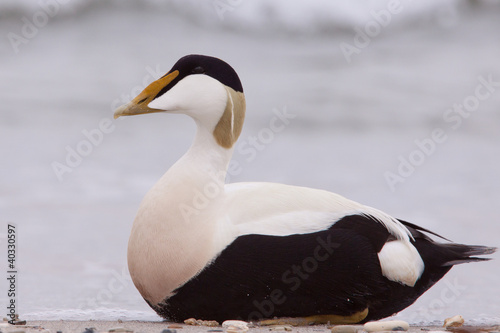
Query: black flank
pixel 335 271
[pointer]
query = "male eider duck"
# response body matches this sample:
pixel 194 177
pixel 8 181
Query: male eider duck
pixel 254 251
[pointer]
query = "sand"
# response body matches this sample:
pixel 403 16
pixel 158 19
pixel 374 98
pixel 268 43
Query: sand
pixel 157 327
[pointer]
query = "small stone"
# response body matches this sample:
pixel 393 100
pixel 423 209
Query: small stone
pixel 281 328
pixel 209 323
pixel 190 321
pixel 168 331
pixel 195 322
pixel 344 329
pixel 120 329
pixel 391 325
pixel 120 321
pixel 455 321
pixel 174 326
pixel 235 325
pixel 89 330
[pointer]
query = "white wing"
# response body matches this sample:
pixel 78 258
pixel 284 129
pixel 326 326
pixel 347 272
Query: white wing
pixel 280 210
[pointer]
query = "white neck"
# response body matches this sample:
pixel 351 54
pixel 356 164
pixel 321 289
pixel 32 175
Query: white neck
pixel 176 220
pixel 206 159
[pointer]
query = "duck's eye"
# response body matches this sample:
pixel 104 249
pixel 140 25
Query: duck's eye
pixel 198 70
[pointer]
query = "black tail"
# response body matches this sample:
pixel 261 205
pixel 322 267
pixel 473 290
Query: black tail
pixel 449 253
pixel 438 259
pixel 463 253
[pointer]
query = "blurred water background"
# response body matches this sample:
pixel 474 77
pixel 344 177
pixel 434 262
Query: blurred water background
pixel 396 105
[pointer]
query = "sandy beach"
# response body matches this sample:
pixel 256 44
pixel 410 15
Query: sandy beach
pixel 159 327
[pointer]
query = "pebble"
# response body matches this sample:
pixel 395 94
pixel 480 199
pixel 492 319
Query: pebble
pixel 344 329
pixel 235 326
pixel 168 331
pixel 281 328
pixel 89 330
pixel 391 325
pixel 209 323
pixel 174 326
pixel 199 322
pixel 120 329
pixel 455 321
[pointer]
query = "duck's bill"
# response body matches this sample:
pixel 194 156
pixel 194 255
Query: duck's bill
pixel 139 105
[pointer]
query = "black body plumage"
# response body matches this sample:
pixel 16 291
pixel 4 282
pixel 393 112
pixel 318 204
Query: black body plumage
pixel 335 271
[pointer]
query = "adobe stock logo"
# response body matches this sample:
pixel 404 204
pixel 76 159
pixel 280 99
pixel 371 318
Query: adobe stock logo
pixel 371 29
pixel 83 148
pixel 249 148
pixel 293 278
pixel 31 27
pixel 223 6
pixel 454 118
pixel 116 284
pixel 94 137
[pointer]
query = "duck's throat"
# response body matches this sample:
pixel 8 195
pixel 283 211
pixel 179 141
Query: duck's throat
pixel 177 220
pixel 206 159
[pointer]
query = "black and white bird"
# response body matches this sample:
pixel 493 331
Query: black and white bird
pixel 209 250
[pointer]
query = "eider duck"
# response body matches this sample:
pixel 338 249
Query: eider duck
pixel 255 251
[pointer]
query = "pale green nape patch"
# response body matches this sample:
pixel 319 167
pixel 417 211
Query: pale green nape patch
pixel 229 127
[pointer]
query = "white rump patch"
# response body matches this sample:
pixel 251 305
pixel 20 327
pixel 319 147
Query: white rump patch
pixel 401 262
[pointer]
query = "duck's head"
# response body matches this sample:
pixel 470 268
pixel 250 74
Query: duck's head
pixel 202 87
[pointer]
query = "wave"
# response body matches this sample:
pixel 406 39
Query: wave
pixel 293 17
pixel 95 314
